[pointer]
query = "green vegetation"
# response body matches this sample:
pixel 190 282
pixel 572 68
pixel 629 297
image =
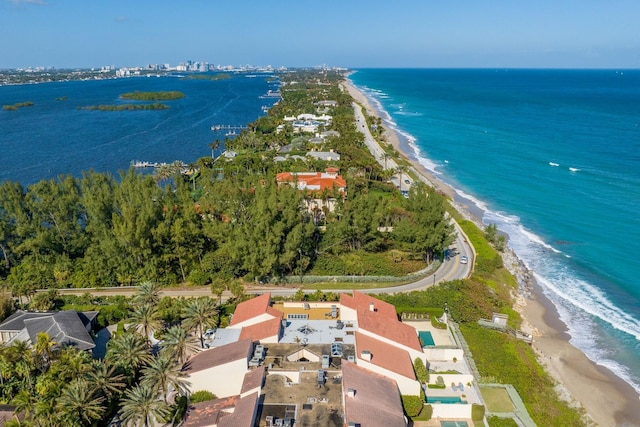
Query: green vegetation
pixel 212 77
pixel 201 396
pixel 125 107
pixel 15 106
pixel 225 220
pixel 498 356
pixel 152 96
pixel 412 405
pixel 497 399
pixel 501 422
pixel 477 412
pixel 56 385
pixel 421 371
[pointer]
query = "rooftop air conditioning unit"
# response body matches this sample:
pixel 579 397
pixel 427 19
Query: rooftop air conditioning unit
pixel 366 355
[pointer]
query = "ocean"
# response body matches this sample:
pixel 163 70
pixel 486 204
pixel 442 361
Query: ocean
pixel 552 157
pixel 54 137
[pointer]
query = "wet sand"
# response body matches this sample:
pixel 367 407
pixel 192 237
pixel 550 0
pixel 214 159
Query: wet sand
pixel 607 399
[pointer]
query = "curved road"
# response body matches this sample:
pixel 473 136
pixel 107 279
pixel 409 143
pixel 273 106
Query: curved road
pixel 451 268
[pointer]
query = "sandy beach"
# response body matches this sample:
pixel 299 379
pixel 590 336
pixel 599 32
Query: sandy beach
pixel 607 399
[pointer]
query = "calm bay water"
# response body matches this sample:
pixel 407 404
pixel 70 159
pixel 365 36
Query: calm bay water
pixel 552 157
pixel 53 137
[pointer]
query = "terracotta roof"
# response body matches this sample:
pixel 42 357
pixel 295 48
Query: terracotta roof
pixel 252 308
pixel 219 356
pixel 383 321
pixel 209 413
pixel 244 414
pixel 385 355
pixel 262 330
pixel 376 401
pixel 316 181
pixel 253 379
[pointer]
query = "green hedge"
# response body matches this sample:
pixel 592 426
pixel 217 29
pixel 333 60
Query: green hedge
pixel 412 405
pixel 477 412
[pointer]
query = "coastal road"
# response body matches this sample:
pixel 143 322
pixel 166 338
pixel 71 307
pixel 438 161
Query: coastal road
pixel 451 268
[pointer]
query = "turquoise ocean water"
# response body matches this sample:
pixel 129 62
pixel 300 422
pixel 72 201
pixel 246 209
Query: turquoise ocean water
pixel 552 157
pixel 53 137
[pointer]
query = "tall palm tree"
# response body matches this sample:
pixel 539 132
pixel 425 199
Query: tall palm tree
pixel 129 351
pixel 146 319
pixel 79 405
pixel 178 344
pixel 400 170
pixel 148 293
pixel 105 379
pixel 44 350
pixel 214 146
pixel 141 407
pixel 198 313
pixel 164 375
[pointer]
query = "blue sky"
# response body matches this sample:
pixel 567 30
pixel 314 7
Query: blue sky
pixel 348 33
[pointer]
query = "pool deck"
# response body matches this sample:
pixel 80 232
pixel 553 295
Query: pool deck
pixel 441 337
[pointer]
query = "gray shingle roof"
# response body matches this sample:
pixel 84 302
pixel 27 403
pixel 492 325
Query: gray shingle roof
pixel 63 327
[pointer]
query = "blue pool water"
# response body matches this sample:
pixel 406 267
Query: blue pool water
pixel 443 399
pixel 427 338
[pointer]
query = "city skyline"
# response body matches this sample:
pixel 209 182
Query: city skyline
pixel 545 34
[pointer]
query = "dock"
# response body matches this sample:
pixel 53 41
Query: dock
pixel 227 127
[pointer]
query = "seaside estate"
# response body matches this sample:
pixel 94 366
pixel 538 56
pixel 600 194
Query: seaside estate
pixel 345 363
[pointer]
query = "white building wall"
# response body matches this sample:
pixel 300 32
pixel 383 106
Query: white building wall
pixel 441 410
pixel 405 385
pixel 254 320
pixel 443 354
pixel 347 313
pixel 223 381
pixel 412 352
pixel 270 340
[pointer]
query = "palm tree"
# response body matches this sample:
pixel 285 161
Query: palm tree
pixel 214 146
pixel 148 293
pixel 129 351
pixel 385 157
pixel 178 344
pixel 79 404
pixel 106 380
pixel 146 319
pixel 74 363
pixel 164 375
pixel 141 407
pixel 198 313
pixel 44 349
pixel 400 170
pixel 25 403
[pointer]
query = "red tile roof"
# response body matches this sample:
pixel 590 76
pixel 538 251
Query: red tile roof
pixel 252 308
pixel 262 330
pixel 376 401
pixel 219 356
pixel 253 379
pixel 228 412
pixel 385 355
pixel 383 321
pixel 316 181
pixel 209 413
pixel 244 415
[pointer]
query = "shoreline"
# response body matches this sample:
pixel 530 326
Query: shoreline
pixel 606 398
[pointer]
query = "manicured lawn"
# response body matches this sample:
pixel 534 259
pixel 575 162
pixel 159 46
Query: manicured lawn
pixel 497 399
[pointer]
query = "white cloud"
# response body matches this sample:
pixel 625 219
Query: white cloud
pixel 121 19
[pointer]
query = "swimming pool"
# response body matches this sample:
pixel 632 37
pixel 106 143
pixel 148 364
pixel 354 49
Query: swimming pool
pixel 427 338
pixel 444 399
